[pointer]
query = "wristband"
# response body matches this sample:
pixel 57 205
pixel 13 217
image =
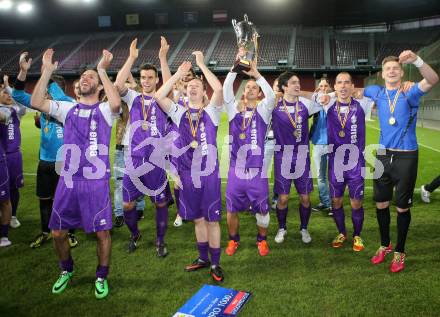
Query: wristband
pixel 418 62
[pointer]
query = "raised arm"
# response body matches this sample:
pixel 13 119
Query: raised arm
pixel 430 77
pixel 125 71
pixel 110 90
pixel 164 68
pixel 269 100
pixel 24 66
pixel 161 95
pixel 38 100
pixel 216 85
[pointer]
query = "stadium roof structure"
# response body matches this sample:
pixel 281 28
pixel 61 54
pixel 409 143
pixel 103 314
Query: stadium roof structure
pixel 60 17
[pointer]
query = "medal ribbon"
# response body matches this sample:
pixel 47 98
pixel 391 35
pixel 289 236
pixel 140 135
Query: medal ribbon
pixel 245 124
pixel 343 121
pixel 293 122
pixel 146 112
pixel 193 127
pixel 393 104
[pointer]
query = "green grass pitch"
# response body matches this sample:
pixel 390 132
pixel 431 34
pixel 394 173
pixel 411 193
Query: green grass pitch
pixel 294 280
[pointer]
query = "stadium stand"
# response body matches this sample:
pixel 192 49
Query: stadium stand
pixel 89 51
pixel 196 41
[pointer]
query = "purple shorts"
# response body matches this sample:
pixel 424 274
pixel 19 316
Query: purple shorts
pixel 153 184
pixel 15 169
pixel 4 180
pixel 303 182
pixel 87 205
pixel 353 179
pixel 247 189
pixel 203 200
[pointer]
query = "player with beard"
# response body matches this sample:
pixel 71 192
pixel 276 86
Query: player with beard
pixel 147 122
pixel 292 159
pixel 82 198
pixel 248 123
pixel 197 123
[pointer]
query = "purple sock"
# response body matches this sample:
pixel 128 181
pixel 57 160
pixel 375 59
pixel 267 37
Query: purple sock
pixel 15 198
pixel 260 237
pixel 357 217
pixel 4 229
pixel 66 265
pixel 131 219
pixel 215 255
pixel 101 271
pixel 339 216
pixel 304 214
pixel 176 196
pixel 203 250
pixel 235 237
pixel 161 223
pixel 282 217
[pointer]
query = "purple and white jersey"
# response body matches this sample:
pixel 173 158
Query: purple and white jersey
pixel 354 130
pixel 157 123
pixel 248 152
pixel 10 135
pixel 205 156
pixel 87 132
pixel 282 127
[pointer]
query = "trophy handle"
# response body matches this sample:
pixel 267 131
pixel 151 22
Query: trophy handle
pixel 234 23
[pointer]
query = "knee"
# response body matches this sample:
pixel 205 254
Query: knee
pixel 213 224
pixel 356 204
pixel 402 210
pixel 305 200
pixel 382 205
pixel 283 201
pixel 161 205
pixel 336 203
pixel 103 235
pixel 129 205
pixel 59 234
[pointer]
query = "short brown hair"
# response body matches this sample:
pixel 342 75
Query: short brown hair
pixel 344 73
pixel 390 59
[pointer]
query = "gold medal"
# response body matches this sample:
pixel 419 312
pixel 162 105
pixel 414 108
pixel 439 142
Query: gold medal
pixel 46 129
pixel 194 144
pixel 392 121
pixel 242 136
pixel 145 126
pixel 341 133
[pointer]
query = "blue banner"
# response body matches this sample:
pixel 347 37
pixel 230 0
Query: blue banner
pixel 214 301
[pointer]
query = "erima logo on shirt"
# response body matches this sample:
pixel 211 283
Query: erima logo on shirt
pixel 353 130
pixel 2 193
pixel 102 222
pixel 409 201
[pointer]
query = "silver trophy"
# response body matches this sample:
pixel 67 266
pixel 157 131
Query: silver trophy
pixel 247 42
